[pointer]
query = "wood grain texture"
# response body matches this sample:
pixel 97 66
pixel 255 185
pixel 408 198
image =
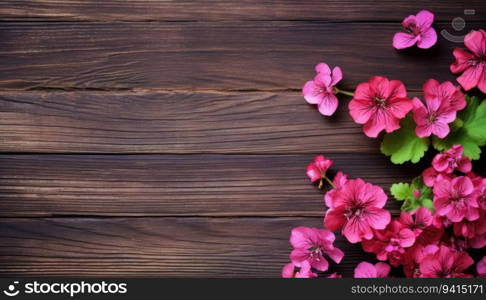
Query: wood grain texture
pixel 230 10
pixel 177 185
pixel 124 122
pixel 237 56
pixel 162 247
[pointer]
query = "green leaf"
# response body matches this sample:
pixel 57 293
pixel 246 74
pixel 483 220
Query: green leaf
pixel 403 144
pixel 400 191
pixel 405 192
pixel 469 130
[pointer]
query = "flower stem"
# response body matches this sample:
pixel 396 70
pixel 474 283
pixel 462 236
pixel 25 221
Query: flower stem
pixel 338 91
pixel 329 181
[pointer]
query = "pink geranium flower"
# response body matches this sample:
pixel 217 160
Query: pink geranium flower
pixel 456 199
pixel 311 244
pixel 367 270
pixel 335 275
pixel 379 104
pixel 317 169
pixel 418 220
pixel 321 90
pixel 452 160
pixel 472 63
pixel 419 31
pixel 390 243
pixel 357 207
pixel 288 271
pixel 445 263
pixel 442 101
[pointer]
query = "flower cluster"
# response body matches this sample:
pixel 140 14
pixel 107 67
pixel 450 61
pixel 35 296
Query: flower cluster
pixel 420 243
pixel 444 210
pixel 444 117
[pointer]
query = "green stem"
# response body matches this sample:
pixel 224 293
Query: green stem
pixel 338 91
pixel 329 181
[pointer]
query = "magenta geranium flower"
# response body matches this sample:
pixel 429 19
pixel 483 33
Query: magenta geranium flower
pixel 452 160
pixel 442 101
pixel 472 62
pixel 456 199
pixel 419 31
pixel 379 104
pixel 321 90
pixel 390 243
pixel 445 263
pixel 311 245
pixel 368 270
pixel 288 271
pixel 317 169
pixel 357 208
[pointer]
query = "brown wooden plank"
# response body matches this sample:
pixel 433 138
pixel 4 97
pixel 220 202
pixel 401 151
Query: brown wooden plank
pixel 177 185
pixel 162 247
pixel 230 10
pixel 210 56
pixel 102 122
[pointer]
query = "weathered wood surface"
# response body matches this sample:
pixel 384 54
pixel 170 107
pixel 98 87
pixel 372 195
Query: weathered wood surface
pixel 236 56
pixel 162 247
pixel 176 185
pixel 230 10
pixel 106 122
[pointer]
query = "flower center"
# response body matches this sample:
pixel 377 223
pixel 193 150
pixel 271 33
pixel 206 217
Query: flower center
pixel 478 60
pixel 315 252
pixel 432 117
pixel 457 199
pixel 353 212
pixel 380 102
pixel 413 28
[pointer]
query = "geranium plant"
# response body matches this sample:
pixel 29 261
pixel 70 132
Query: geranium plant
pixel 443 211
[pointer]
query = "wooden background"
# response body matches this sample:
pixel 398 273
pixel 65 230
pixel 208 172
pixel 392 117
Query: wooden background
pixel 170 138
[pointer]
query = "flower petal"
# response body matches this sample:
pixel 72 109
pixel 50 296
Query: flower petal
pixel 365 270
pixel 328 105
pixel 462 62
pixel 337 75
pixel 360 110
pixel 322 68
pixel 288 271
pixel 355 229
pixel 312 92
pixel 382 270
pixel 335 218
pixel 403 40
pixel 377 218
pixel 424 19
pixel 470 78
pixel 475 41
pixel 427 39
